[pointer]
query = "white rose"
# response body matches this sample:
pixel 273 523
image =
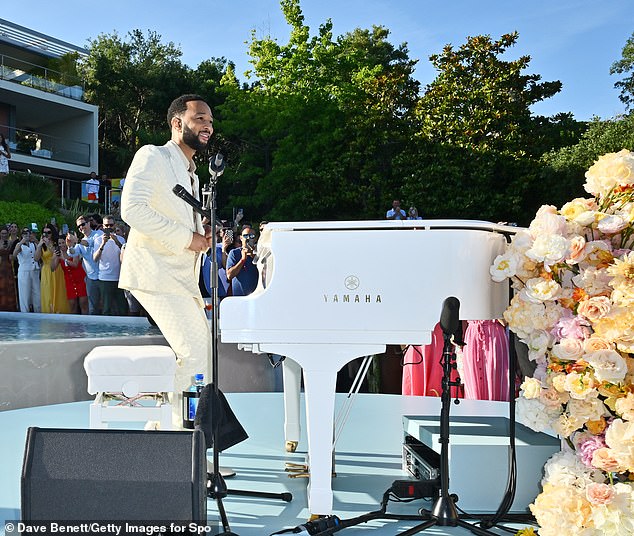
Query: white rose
pixel 531 388
pixel 568 349
pixel 549 249
pixel 539 290
pixel 547 222
pixel 608 365
pixel 612 224
pixel 610 170
pixel 504 267
pixel 538 342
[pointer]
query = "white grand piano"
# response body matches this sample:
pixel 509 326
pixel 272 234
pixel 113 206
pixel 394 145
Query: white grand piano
pixel 330 292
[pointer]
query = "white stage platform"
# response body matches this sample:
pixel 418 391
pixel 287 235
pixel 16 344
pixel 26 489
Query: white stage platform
pixel 368 460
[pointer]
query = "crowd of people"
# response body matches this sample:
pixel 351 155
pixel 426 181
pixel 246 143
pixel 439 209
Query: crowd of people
pixel 76 272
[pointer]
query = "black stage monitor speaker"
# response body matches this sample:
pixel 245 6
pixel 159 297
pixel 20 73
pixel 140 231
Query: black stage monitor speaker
pixel 114 475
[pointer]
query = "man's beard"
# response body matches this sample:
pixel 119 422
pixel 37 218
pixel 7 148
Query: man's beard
pixel 191 140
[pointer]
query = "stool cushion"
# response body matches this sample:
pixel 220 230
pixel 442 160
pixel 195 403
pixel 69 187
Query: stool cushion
pixel 130 369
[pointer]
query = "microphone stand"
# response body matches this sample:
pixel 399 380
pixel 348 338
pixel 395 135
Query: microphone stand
pixel 444 512
pixel 217 487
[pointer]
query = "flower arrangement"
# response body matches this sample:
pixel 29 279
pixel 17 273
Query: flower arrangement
pixel 573 275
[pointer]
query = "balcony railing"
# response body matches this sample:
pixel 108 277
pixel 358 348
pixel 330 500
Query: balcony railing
pixel 30 143
pixel 40 77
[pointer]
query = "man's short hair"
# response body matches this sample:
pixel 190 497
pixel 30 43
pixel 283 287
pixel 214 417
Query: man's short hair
pixel 179 105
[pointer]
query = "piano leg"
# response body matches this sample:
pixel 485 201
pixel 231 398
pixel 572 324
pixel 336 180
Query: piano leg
pixel 320 381
pixel 292 385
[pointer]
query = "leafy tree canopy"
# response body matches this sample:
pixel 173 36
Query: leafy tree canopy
pixel 625 66
pixel 480 100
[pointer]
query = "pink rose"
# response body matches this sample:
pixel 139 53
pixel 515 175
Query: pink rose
pixel 587 448
pixel 599 494
pixel 571 326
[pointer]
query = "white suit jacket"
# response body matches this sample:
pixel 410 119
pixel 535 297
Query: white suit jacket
pixel 157 258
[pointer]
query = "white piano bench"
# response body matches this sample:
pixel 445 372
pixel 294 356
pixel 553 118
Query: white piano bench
pixel 131 384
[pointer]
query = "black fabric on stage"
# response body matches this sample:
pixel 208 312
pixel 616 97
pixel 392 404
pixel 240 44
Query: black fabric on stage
pixel 210 407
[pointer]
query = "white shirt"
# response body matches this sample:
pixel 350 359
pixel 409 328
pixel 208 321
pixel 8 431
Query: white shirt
pixel 26 258
pixel 110 260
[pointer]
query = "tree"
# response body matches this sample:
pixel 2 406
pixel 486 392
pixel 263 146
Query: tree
pixel 481 101
pixel 476 148
pixel 132 81
pixel 625 66
pixel 331 113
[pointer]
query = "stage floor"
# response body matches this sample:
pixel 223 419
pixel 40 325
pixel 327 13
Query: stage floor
pixel 368 460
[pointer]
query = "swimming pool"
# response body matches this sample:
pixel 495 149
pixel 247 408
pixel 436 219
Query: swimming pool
pixel 38 326
pixel 42 357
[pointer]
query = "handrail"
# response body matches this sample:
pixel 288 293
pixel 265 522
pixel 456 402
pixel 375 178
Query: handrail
pixel 40 77
pixel 27 142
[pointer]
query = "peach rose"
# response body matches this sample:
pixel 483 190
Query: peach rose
pixel 600 494
pixel 594 308
pixel 605 459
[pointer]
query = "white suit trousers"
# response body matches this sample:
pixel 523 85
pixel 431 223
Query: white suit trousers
pixel 29 290
pixel 184 325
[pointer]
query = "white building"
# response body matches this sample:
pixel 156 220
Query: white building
pixel 50 129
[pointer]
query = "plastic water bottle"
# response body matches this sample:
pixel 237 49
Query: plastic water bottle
pixel 190 400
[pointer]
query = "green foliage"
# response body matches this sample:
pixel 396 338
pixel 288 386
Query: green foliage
pixel 65 69
pixel 132 81
pixel 29 188
pixel 481 101
pixel 565 168
pixel 316 135
pixel 625 66
pixel 24 214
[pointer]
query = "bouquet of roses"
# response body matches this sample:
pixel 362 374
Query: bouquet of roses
pixel 572 271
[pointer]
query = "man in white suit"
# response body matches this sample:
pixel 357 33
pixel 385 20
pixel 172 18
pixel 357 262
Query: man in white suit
pixel 162 258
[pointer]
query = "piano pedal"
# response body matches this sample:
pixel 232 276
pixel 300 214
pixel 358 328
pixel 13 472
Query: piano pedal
pixel 294 467
pixel 300 470
pixel 291 446
pixel 302 474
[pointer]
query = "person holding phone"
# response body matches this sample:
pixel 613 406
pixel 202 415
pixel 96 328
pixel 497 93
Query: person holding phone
pixel 28 272
pixel 108 254
pixel 52 285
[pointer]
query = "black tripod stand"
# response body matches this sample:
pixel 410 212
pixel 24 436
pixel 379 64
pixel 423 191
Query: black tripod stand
pixel 444 512
pixel 216 486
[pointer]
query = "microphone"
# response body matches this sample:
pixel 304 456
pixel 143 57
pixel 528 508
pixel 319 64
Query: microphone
pixel 450 317
pixel 181 192
pixel 216 167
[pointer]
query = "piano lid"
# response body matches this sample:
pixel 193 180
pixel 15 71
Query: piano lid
pixel 389 224
pixel 380 282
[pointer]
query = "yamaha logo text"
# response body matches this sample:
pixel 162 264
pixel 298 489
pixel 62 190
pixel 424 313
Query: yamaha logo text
pixel 352 284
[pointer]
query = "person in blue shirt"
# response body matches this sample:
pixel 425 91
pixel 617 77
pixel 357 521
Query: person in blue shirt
pixel 396 212
pixel 242 273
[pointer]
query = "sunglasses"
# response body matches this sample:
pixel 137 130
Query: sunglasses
pixel 248 235
pixel 47 232
pixel 108 225
pixel 81 224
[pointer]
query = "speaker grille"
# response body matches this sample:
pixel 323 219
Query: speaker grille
pixel 110 475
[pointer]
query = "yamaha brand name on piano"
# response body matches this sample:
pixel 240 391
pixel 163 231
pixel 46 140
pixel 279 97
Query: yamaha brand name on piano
pixel 352 282
pixel 352 298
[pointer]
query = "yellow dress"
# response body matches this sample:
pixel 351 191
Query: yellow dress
pixel 52 286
